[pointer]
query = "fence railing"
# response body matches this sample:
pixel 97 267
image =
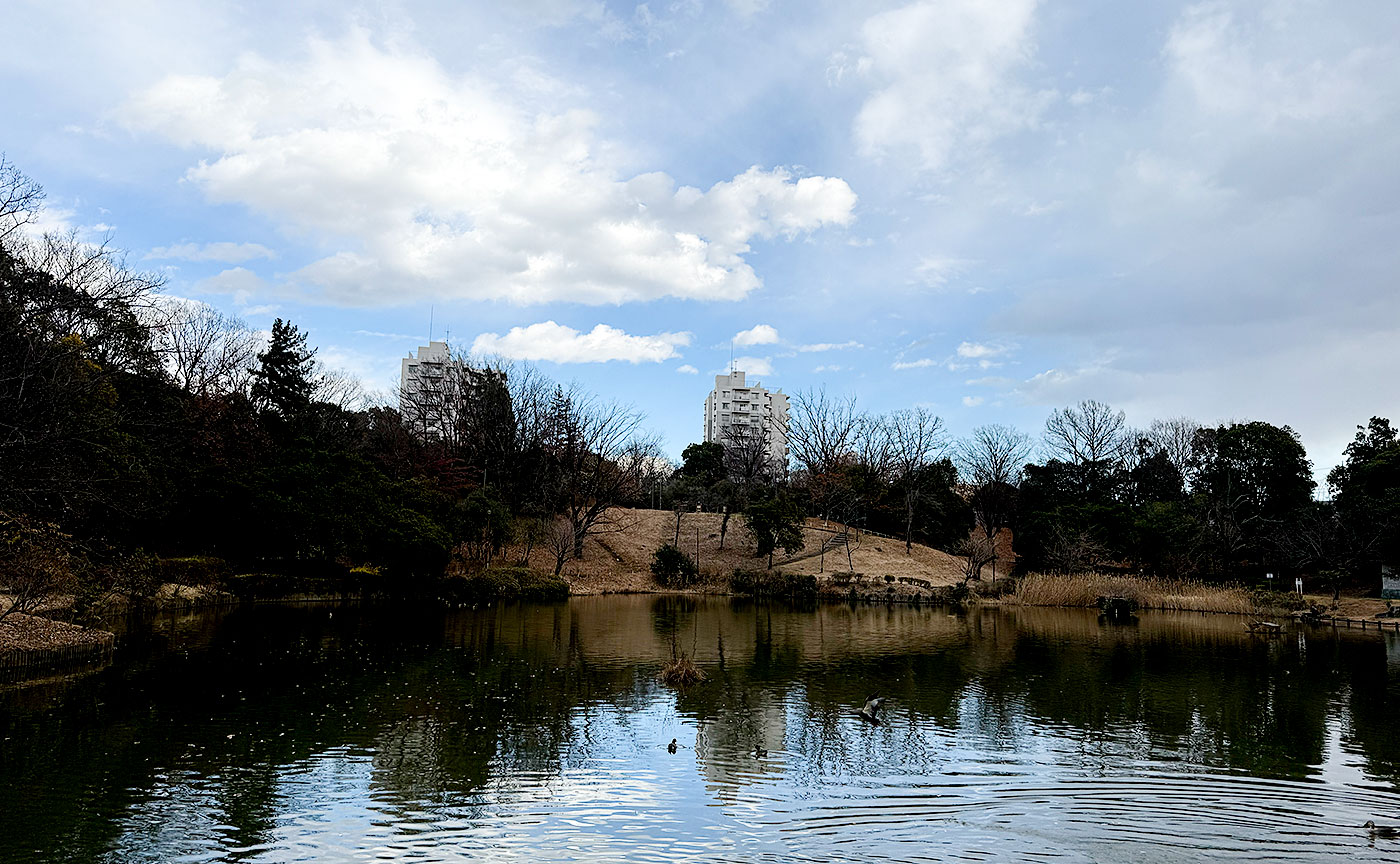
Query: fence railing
pixel 17 664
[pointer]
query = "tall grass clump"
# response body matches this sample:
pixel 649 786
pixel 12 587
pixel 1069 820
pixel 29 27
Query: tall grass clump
pixel 1149 592
pixel 681 671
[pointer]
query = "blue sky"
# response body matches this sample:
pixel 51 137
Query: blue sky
pixel 988 209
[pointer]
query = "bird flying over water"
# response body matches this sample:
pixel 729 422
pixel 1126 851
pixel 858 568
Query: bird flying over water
pixel 871 710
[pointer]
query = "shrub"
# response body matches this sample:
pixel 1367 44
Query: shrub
pixel 773 583
pixel 202 570
pixel 505 583
pixel 672 567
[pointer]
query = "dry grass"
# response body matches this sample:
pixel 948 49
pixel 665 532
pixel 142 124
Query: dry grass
pixel 1084 589
pixel 618 559
pixel 681 671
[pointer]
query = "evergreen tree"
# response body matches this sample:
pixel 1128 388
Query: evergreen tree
pixel 282 381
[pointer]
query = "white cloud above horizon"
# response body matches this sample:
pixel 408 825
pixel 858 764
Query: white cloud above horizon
pixel 556 343
pixel 224 252
pixel 434 184
pixel 759 334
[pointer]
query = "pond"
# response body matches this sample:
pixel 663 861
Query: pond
pixel 538 733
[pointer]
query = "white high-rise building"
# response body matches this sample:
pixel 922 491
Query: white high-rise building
pixel 424 381
pixel 742 414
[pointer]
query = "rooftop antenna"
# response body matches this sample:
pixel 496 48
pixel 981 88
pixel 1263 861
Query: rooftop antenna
pixel 430 324
pixel 731 357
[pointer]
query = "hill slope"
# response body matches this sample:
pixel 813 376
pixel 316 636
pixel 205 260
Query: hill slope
pixel 618 558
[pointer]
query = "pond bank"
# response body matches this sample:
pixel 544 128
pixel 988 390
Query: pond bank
pixel 30 644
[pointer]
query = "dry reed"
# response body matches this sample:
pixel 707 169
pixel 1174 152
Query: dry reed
pixel 681 671
pixel 1084 589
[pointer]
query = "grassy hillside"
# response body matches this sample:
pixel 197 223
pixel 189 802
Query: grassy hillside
pixel 618 559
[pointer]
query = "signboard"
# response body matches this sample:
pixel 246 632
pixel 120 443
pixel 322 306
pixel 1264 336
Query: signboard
pixel 1390 583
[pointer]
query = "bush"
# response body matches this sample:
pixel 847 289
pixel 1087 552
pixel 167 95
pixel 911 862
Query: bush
pixel 773 583
pixel 203 570
pixel 286 578
pixel 505 583
pixel 672 567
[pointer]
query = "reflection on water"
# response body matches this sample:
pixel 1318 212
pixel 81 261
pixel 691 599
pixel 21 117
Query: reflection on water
pixel 538 732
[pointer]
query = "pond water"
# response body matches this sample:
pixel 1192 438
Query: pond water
pixel 538 733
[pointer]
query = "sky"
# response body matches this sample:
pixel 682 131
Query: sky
pixel 987 209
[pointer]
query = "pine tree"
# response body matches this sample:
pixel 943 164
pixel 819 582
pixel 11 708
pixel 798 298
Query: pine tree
pixel 282 381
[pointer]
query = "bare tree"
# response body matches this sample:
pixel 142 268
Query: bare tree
pixel 338 387
pixel 205 352
pixel 1176 437
pixel 1090 432
pixel 992 459
pixel 823 431
pixel 598 458
pixel 1073 551
pixel 561 543
pixel 20 199
pixel 748 456
pixel 993 454
pixel 977 551
pixel 914 441
pixel 35 564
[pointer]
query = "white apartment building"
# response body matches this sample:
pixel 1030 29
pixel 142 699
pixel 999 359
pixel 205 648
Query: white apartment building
pixel 423 383
pixel 738 411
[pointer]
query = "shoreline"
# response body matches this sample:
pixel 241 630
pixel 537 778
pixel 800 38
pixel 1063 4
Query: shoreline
pixel 31 645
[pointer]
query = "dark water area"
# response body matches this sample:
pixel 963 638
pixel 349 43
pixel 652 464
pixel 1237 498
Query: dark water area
pixel 538 733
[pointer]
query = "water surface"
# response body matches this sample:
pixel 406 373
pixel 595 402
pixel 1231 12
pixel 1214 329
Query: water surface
pixel 537 732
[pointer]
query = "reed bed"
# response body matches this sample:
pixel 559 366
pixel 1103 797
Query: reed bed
pixel 1085 589
pixel 681 671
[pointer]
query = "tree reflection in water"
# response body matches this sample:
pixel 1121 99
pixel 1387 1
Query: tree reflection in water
pixel 236 735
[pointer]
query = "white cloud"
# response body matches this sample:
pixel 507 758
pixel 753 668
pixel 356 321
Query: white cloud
pixel 1231 68
pixel 826 368
pixel 978 350
pixel 830 346
pixel 936 272
pixel 237 281
pixel 687 369
pixel 921 363
pixel 429 184
pixel 230 253
pixel 972 401
pixel 398 337
pixel 559 344
pixel 759 334
pixel 990 381
pixel 944 78
pixel 754 365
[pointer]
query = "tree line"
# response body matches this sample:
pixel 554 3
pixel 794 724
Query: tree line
pixel 1177 498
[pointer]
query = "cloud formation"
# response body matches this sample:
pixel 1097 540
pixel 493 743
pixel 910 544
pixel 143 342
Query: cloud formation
pixel 453 186
pixel 557 343
pixel 943 78
pixel 759 334
pixel 228 253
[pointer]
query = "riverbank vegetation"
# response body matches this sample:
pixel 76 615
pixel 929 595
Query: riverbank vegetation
pixel 1087 590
